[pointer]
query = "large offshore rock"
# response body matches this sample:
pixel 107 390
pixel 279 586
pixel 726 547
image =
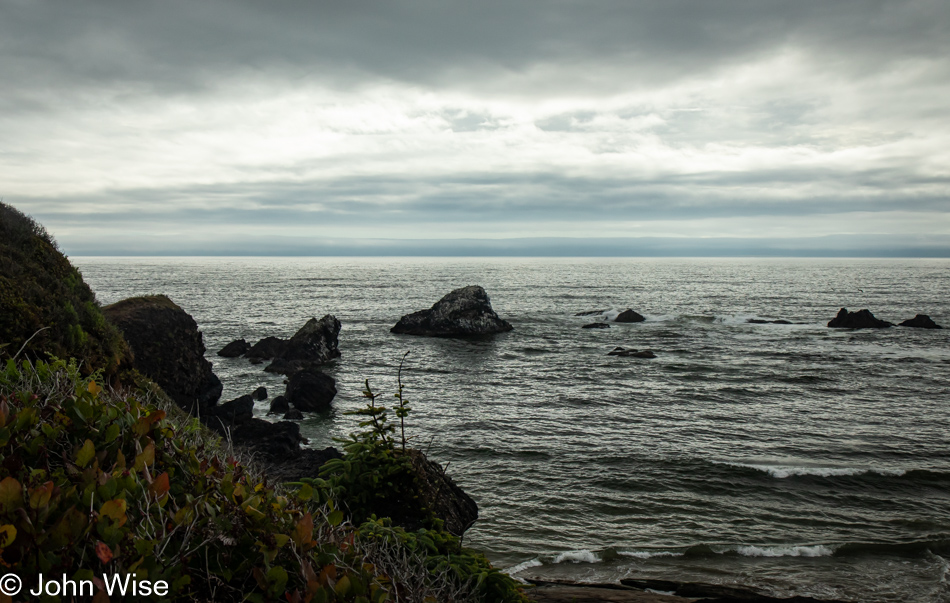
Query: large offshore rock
pixel 462 313
pixel 315 344
pixel 168 348
pixel 862 319
pixel 310 390
pixel 629 315
pixel 267 348
pixel 236 348
pixel 921 321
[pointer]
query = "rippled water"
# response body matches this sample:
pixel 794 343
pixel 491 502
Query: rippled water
pixel 793 458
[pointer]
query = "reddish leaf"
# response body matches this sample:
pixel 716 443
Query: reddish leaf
pixel 103 552
pixel 160 486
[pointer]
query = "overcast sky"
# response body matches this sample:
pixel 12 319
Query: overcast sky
pixel 289 127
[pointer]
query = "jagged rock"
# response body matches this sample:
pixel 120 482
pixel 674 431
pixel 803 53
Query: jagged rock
pixel 235 411
pixel 629 315
pixel 921 321
pixel 463 312
pixel 596 325
pixel 762 321
pixel 265 349
pixel 168 348
pixel 305 463
pixel 236 348
pixel 259 393
pixel 310 390
pixel 440 494
pixel 862 319
pixel 293 415
pixel 279 405
pixel 591 312
pixel 619 351
pixel 315 344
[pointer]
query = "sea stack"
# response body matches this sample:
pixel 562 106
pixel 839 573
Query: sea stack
pixel 862 319
pixel 464 312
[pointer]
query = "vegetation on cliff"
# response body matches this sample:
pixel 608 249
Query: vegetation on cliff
pixel 45 307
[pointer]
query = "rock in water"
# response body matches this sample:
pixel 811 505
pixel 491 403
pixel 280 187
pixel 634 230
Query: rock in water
pixel 236 348
pixel 315 344
pixel 278 406
pixel 265 349
pixel 629 315
pixel 463 312
pixel 862 319
pixel 439 493
pixel 596 325
pixel 260 393
pixel 236 411
pixel 168 348
pixel 921 321
pixel 310 390
pixel 631 352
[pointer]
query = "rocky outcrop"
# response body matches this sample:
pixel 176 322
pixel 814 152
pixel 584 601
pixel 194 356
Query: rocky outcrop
pixel 279 406
pixel 303 463
pixel 267 348
pixel 236 348
pixel 315 344
pixel 272 441
pixel 862 319
pixel 596 325
pixel 168 348
pixel 438 493
pixel 921 321
pixel 235 411
pixel 629 315
pixel 464 312
pixel 631 352
pixel 260 393
pixel 310 390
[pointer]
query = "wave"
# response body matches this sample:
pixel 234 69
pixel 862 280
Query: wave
pixel 818 550
pixel 784 471
pixel 581 556
pixel 524 565
pixel 649 554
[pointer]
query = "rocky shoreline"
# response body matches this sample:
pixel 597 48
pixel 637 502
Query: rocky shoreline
pixel 650 591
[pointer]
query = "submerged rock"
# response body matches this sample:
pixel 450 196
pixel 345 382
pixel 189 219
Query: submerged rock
pixel 596 325
pixel 293 415
pixel 168 348
pixel 629 315
pixel 619 351
pixel 921 321
pixel 236 348
pixel 762 321
pixel 463 312
pixel 315 344
pixel 591 312
pixel 310 390
pixel 862 319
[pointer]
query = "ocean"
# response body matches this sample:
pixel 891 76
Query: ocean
pixel 794 459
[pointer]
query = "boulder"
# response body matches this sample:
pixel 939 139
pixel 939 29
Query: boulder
pixel 265 349
pixel 596 325
pixel 462 313
pixel 629 315
pixel 304 463
pixel 273 441
pixel 168 348
pixel 921 321
pixel 862 319
pixel 441 495
pixel 310 390
pixel 235 411
pixel 619 351
pixel 236 348
pixel 315 344
pixel 279 406
pixel 259 393
pixel 293 415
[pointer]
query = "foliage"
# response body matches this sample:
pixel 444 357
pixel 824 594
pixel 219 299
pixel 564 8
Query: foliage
pixel 94 481
pixel 43 297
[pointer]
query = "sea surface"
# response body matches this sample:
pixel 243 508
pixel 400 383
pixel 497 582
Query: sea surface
pixel 794 459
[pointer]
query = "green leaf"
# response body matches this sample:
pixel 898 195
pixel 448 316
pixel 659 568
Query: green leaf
pixel 335 518
pixel 86 454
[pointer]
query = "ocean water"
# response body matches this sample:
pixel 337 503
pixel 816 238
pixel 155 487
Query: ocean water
pixel 795 459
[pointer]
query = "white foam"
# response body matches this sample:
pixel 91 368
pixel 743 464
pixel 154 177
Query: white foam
pixel 783 471
pixel 818 550
pixel 514 569
pixel 649 554
pixel 582 556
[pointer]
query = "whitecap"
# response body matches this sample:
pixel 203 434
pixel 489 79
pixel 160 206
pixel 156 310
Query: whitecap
pixel 783 471
pixel 514 569
pixel 581 556
pixel 649 554
pixel 818 550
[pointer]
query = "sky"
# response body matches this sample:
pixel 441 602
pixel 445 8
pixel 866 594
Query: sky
pixel 530 127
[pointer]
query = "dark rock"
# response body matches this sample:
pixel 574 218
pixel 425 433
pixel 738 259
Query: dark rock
pixel 259 393
pixel 275 441
pixel 441 495
pixel 236 348
pixel 168 348
pixel 714 593
pixel 590 313
pixel 596 325
pixel 619 351
pixel 236 411
pixel 862 319
pixel 921 321
pixel 310 390
pixel 255 360
pixel 762 321
pixel 463 312
pixel 305 463
pixel 315 344
pixel 278 406
pixel 629 315
pixel 293 415
pixel 267 348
